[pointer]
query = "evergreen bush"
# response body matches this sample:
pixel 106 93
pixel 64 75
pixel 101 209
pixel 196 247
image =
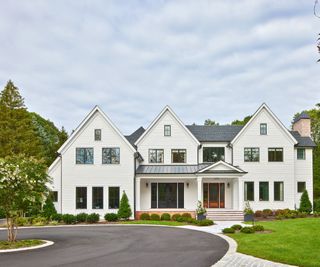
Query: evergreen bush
pixel 124 211
pixel 305 204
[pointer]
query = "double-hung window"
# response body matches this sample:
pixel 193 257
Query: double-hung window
pixel 155 155
pixel 97 197
pixel 213 154
pixel 264 191
pixel 84 155
pixel 97 134
pixel 167 130
pixel 263 129
pixel 179 155
pixel 114 197
pixel 278 191
pixel 301 187
pixel 275 154
pixel 81 197
pixel 301 153
pixel 110 155
pixel 251 154
pixel 249 191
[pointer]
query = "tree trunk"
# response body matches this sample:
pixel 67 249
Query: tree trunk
pixel 12 229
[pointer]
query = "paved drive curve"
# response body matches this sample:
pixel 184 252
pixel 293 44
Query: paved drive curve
pixel 118 246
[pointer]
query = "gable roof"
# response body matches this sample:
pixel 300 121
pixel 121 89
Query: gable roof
pixel 166 108
pixel 215 133
pixel 132 138
pixel 84 122
pixel 229 168
pixel 264 106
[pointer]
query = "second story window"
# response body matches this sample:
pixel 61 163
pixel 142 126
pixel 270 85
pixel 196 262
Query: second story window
pixel 84 155
pixel 179 155
pixel 213 154
pixel 251 154
pixel 275 154
pixel 167 130
pixel 263 129
pixel 97 135
pixel 155 155
pixel 110 155
pixel 301 153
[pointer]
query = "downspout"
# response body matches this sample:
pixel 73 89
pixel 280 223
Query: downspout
pixel 134 185
pixel 60 156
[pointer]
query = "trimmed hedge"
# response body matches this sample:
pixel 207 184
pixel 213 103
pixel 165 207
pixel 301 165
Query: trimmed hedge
pixel 228 230
pixel 144 216
pixel 165 217
pixel 82 217
pixel 236 227
pixel 258 228
pixel 186 215
pixel 69 218
pixel 93 218
pixel 111 217
pixel 205 222
pixel 247 230
pixel 155 217
pixel 175 216
pixel 57 217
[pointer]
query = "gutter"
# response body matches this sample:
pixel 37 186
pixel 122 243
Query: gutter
pixel 60 156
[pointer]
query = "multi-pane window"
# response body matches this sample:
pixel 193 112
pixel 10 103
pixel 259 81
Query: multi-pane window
pixel 275 154
pixel 155 155
pixel 54 196
pixel 114 197
pixel 301 153
pixel 179 155
pixel 249 191
pixel 81 197
pixel 97 197
pixel 84 155
pixel 167 130
pixel 97 135
pixel 263 129
pixel 213 154
pixel 251 154
pixel 264 191
pixel 167 195
pixel 278 191
pixel 110 155
pixel 301 187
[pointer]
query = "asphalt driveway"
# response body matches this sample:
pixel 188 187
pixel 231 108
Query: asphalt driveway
pixel 118 246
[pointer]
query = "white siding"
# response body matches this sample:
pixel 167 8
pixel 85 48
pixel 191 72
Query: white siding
pixel 264 170
pixel 179 139
pixel 98 174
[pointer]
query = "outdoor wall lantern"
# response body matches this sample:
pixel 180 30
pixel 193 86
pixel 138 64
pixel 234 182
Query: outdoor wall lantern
pixel 147 185
pixel 228 185
pixel 188 185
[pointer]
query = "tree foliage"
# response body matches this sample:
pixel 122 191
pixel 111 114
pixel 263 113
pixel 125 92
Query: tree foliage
pixel 209 122
pixel 305 203
pixel 124 211
pixel 23 182
pixel 49 209
pixel 241 122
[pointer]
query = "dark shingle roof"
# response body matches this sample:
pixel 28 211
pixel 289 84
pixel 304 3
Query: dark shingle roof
pixel 303 141
pixel 303 115
pixel 132 138
pixel 216 133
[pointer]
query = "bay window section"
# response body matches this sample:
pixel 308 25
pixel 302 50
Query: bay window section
pixel 251 154
pixel 167 195
pixel 81 198
pixel 264 191
pixel 97 197
pixel 213 154
pixel 249 191
pixel 84 155
pixel 179 155
pixel 111 155
pixel 278 191
pixel 155 155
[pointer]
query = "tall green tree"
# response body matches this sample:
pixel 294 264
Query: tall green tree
pixel 241 122
pixel 209 122
pixel 17 132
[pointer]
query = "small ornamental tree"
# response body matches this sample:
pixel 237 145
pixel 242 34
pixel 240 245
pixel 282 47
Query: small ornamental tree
pixel 48 208
pixel 305 204
pixel 124 211
pixel 23 182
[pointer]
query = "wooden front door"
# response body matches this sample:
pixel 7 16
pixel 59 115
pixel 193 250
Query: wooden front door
pixel 214 195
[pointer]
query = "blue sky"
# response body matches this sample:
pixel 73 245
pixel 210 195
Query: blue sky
pixel 206 59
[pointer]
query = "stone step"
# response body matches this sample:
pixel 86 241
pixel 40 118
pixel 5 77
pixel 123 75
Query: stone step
pixel 225 215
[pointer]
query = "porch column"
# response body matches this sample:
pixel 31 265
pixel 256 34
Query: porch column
pixel 199 179
pixel 240 192
pixel 138 194
pixel 235 194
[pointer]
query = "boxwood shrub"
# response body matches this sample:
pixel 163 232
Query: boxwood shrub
pixel 186 215
pixel 175 216
pixel 111 217
pixel 258 228
pixel 93 218
pixel 165 217
pixel 69 218
pixel 247 230
pixel 56 217
pixel 82 217
pixel 228 230
pixel 236 227
pixel 155 217
pixel 205 222
pixel 144 216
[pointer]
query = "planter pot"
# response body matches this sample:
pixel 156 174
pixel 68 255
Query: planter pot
pixel 201 217
pixel 249 217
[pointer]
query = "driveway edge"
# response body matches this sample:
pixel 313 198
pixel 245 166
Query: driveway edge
pixel 46 244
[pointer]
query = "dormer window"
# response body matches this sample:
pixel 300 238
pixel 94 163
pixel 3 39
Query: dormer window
pixel 263 129
pixel 97 134
pixel 167 130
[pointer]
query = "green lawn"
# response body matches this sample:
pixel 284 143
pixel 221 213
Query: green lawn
pixel 20 244
pixel 170 223
pixel 295 241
